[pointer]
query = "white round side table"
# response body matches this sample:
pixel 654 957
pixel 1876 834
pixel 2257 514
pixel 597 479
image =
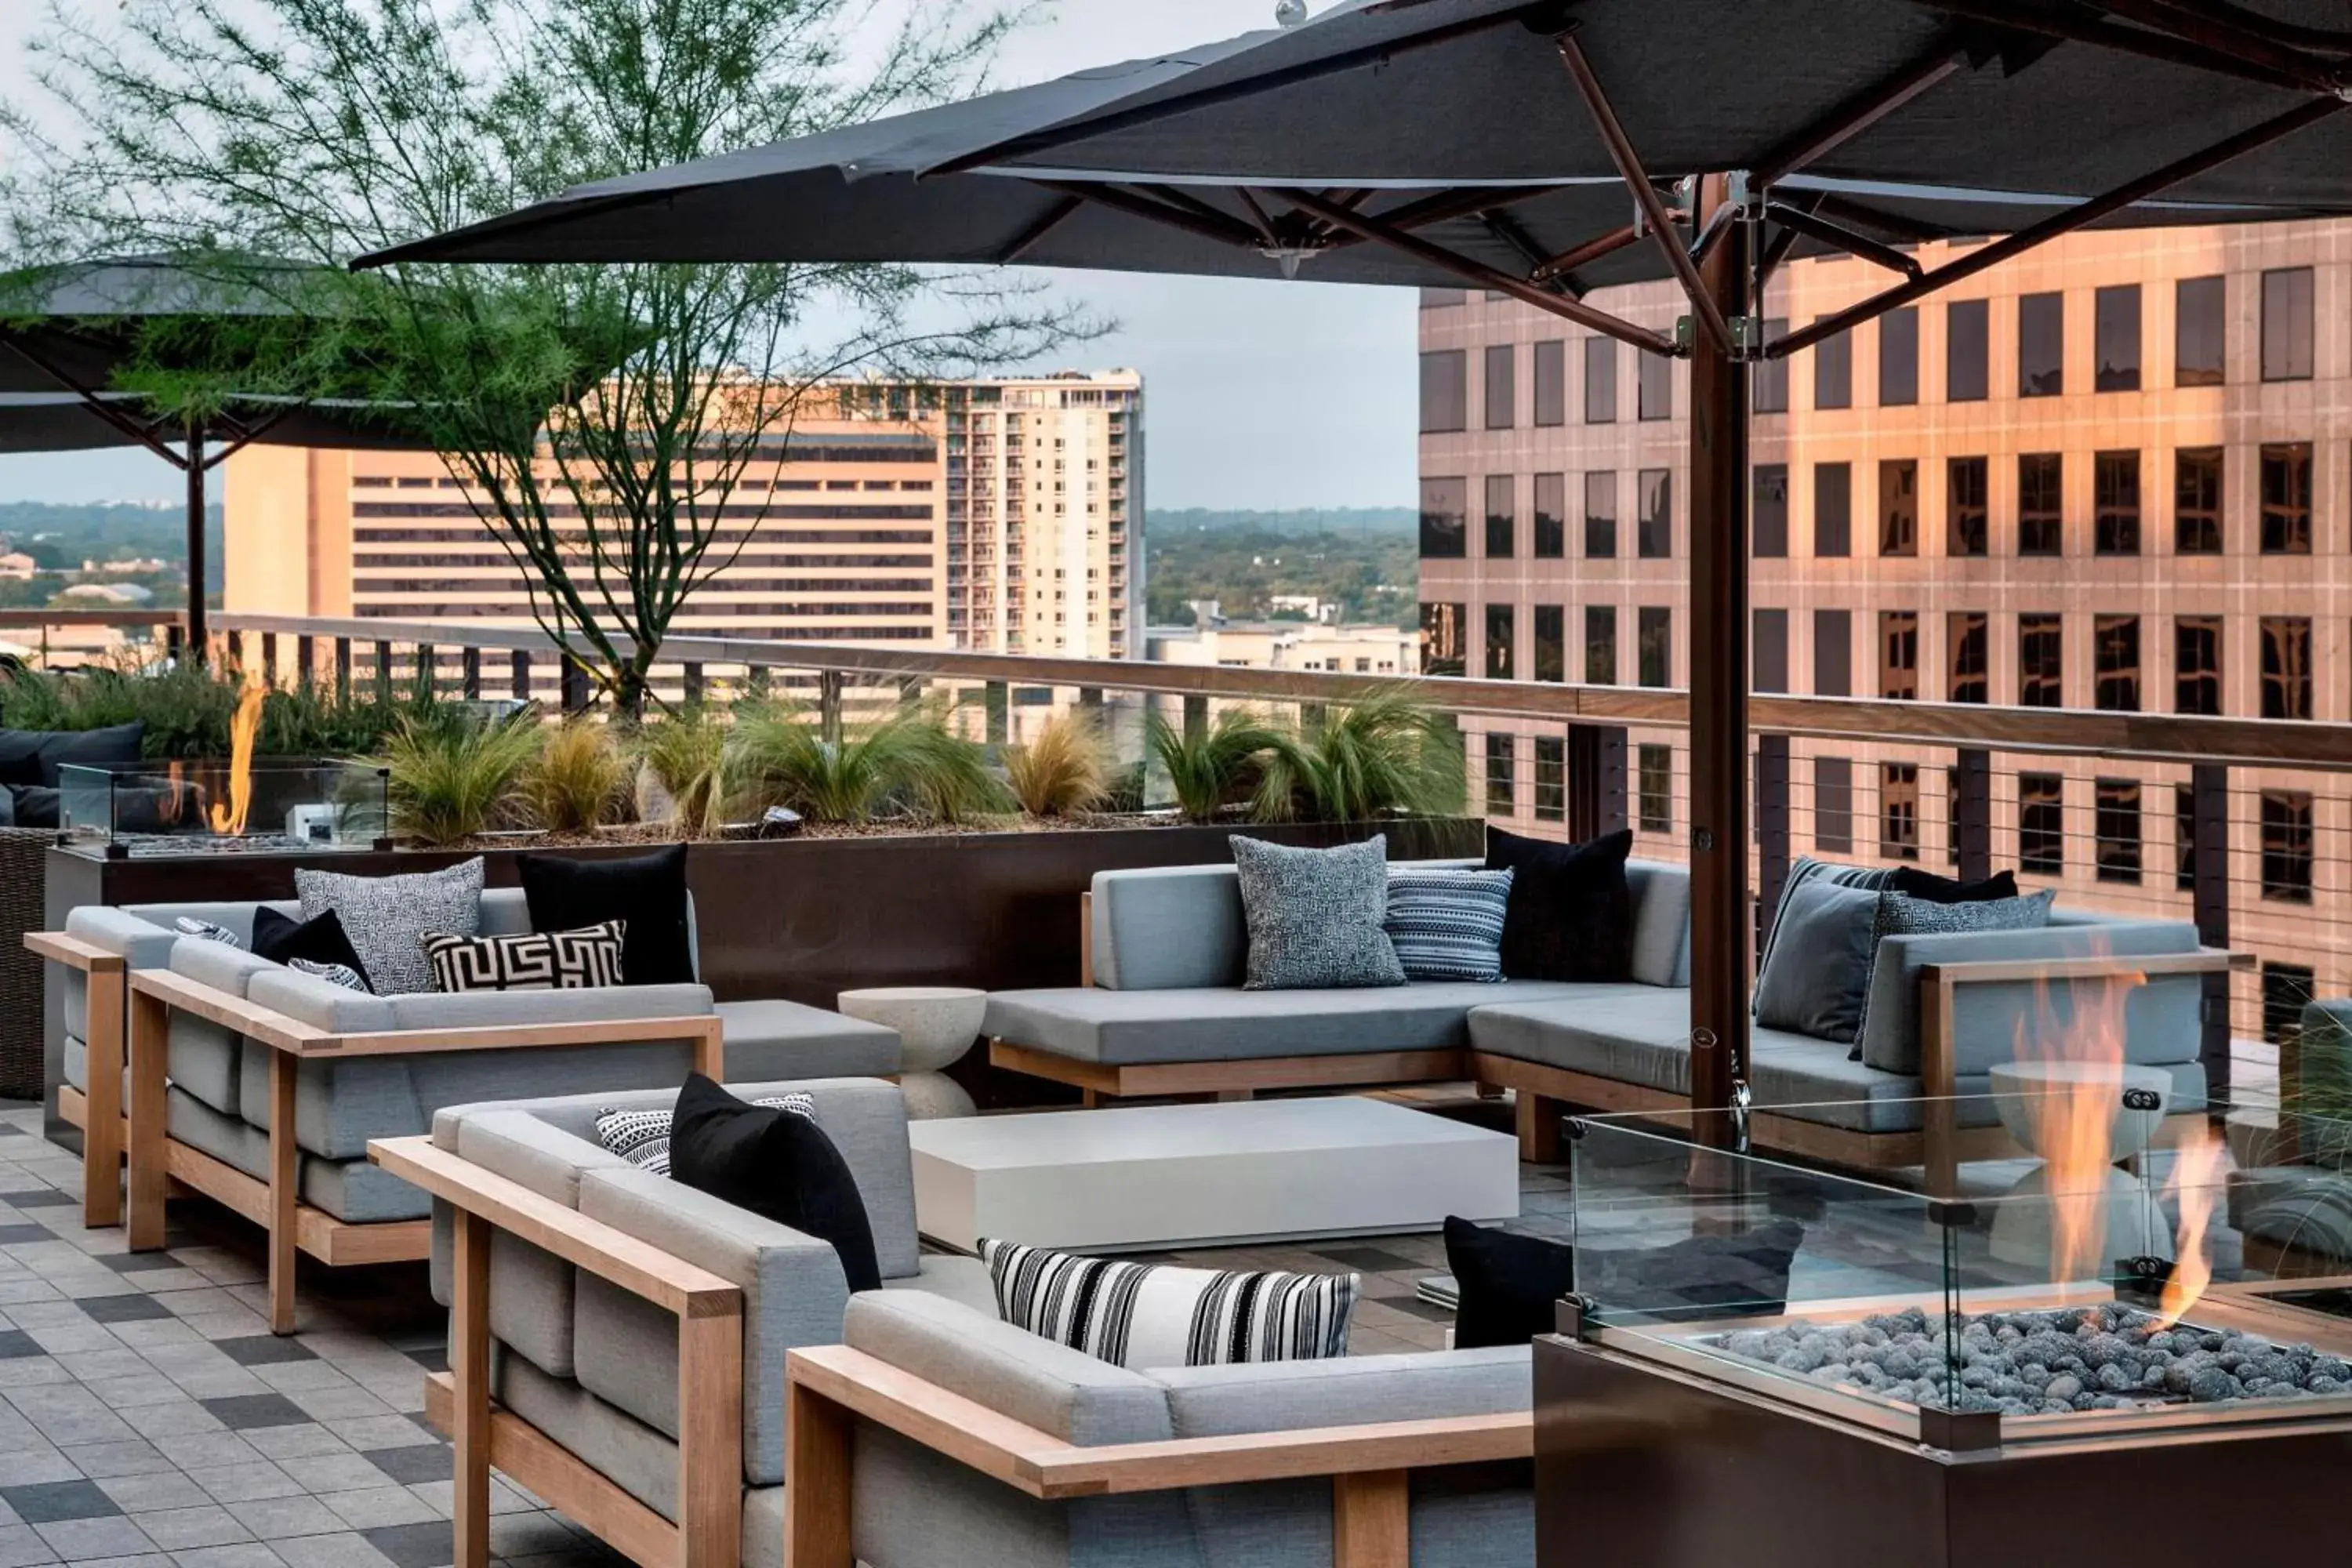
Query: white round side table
pixel 2036 1100
pixel 936 1025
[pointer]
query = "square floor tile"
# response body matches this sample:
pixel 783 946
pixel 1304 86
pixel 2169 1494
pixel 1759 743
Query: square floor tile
pixel 49 1501
pixel 80 1539
pixel 241 1411
pixel 414 1545
pixel 131 1309
pixel 382 1508
pixel 263 1349
pixel 431 1358
pixel 182 1529
pixel 137 1262
pixel 18 1234
pixel 21 1546
pixel 16 1343
pixel 346 1550
pixel 152 1494
pixel 280 1518
pixel 46 1198
pixel 421 1463
pixel 243 1554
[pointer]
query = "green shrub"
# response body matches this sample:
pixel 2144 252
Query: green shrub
pixel 187 710
pixel 1389 754
pixel 578 781
pixel 1220 768
pixel 686 754
pixel 907 765
pixel 1065 769
pixel 450 781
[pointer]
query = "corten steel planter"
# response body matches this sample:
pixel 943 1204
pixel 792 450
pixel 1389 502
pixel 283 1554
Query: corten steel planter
pixel 801 918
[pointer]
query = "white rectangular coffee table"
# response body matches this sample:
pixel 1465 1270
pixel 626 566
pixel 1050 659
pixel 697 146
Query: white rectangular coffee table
pixel 1156 1176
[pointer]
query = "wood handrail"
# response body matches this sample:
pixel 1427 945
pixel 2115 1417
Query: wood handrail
pixel 74 952
pixel 2099 966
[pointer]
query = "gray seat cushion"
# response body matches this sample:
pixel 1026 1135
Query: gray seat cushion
pixel 1212 1024
pixel 786 1039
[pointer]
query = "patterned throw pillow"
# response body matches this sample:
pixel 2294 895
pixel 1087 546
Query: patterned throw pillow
pixel 386 918
pixel 534 961
pixel 642 1137
pixel 205 931
pixel 1448 925
pixel 1145 1315
pixel 341 974
pixel 1314 916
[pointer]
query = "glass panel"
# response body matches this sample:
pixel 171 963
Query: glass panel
pixel 1654 788
pixel 1965 526
pixel 2286 324
pixel 1600 516
pixel 1502 516
pixel 1502 620
pixel 1654 391
pixel 1967 376
pixel 1502 378
pixel 2287 667
pixel 1833 372
pixel 2041 514
pixel 152 808
pixel 2198 332
pixel 1551 383
pixel 1445 518
pixel 1654 626
pixel 1552 517
pixel 2197 500
pixel 1834 806
pixel 1552 642
pixel 1551 778
pixel 2041 345
pixel 1898 357
pixel 1502 765
pixel 1768 514
pixel 1656 531
pixel 1898 655
pixel 1971 650
pixel 1770 657
pixel 1832 653
pixel 2197 665
pixel 1899 508
pixel 1832 510
pixel 1443 636
pixel 2115 648
pixel 1770 388
pixel 1599 380
pixel 1444 391
pixel 2116 523
pixel 2286 498
pixel 2116 313
pixel 1600 645
pixel 2041 664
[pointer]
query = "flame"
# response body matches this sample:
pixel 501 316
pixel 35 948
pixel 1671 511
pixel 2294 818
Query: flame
pixel 175 793
pixel 2073 1123
pixel 230 818
pixel 2196 1177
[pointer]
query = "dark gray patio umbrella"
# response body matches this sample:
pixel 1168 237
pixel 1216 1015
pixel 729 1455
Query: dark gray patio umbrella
pixel 68 332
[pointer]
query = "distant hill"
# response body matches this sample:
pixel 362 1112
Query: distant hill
pixel 1364 520
pixel 116 530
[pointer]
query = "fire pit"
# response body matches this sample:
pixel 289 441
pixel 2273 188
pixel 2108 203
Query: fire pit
pixel 235 806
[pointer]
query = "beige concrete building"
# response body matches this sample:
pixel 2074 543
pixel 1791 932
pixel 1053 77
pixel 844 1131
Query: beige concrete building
pixel 996 515
pixel 1289 644
pixel 2116 473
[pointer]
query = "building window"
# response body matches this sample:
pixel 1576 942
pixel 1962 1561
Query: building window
pixel 2198 332
pixel 2041 345
pixel 1968 345
pixel 1601 517
pixel 2197 665
pixel 2040 504
pixel 2286 324
pixel 2114 648
pixel 1655 789
pixel 2286 845
pixel 1601 381
pixel 1834 806
pixel 1898 811
pixel 2115 319
pixel 1552 517
pixel 2287 667
pixel 1551 778
pixel 1502 517
pixel 2041 825
pixel 1770 656
pixel 1654 630
pixel 1444 506
pixel 1502 386
pixel 1832 653
pixel 1899 508
pixel 1833 372
pixel 1970 638
pixel 1502 624
pixel 2286 498
pixel 1435 298
pixel 2287 989
pixel 1770 388
pixel 1552 642
pixel 1551 383
pixel 2197 500
pixel 1444 392
pixel 1898 655
pixel 2041 664
pixel 1502 772
pixel 1832 510
pixel 1768 513
pixel 1653 386
pixel 1600 645
pixel 2118 841
pixel 2116 481
pixel 1965 528
pixel 1655 538
pixel 2184 838
pixel 1443 636
pixel 1899 358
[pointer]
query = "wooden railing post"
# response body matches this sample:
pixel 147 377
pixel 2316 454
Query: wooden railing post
pixel 428 670
pixel 828 706
pixel 236 650
pixel 2208 785
pixel 269 658
pixel 575 687
pixel 1090 697
pixel 343 668
pixel 175 639
pixel 1196 717
pixel 306 659
pixel 1972 806
pixel 1596 780
pixel 383 671
pixel 998 696
pixel 521 676
pixel 693 683
pixel 1771 833
pixel 469 665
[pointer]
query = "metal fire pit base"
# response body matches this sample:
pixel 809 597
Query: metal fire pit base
pixel 1639 1466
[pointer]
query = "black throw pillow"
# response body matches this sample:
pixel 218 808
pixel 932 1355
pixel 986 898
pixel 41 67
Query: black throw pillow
pixel 1510 1284
pixel 282 939
pixel 34 805
pixel 1915 883
pixel 1570 915
pixel 777 1163
pixel 648 891
pixel 34 756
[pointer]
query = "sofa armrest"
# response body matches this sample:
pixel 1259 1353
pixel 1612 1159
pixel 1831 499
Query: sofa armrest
pixel 75 953
pixel 144 943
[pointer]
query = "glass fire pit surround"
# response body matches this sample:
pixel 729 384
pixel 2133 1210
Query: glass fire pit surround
pixel 2202 1279
pixel 198 807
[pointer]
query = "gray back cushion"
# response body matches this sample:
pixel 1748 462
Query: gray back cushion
pixel 1274 1396
pixel 1662 896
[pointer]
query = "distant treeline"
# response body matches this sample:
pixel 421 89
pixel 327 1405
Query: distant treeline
pixel 72 533
pixel 1375 519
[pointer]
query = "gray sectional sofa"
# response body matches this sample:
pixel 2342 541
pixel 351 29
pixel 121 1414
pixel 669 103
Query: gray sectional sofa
pixel 579 1358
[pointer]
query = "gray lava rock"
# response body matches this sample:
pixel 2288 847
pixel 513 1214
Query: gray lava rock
pixel 2100 1349
pixel 2214 1384
pixel 2115 1379
pixel 2065 1387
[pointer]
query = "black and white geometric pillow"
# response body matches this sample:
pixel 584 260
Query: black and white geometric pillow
pixel 1448 925
pixel 1146 1315
pixel 642 1137
pixel 341 974
pixel 534 961
pixel 205 931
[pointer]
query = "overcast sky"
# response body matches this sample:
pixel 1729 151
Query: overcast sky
pixel 1260 394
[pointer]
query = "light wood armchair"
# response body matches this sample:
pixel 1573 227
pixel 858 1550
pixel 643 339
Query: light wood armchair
pixel 157 1159
pixel 831 1388
pixel 100 1113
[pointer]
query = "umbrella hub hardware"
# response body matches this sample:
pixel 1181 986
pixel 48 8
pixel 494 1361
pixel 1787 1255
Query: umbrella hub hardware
pixel 1291 254
pixel 1747 336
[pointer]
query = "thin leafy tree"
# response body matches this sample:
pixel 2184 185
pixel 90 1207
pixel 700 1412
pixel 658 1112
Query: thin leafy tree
pixel 601 417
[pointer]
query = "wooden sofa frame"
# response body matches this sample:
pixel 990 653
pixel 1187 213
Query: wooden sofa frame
pixel 131 1021
pixel 1939 1147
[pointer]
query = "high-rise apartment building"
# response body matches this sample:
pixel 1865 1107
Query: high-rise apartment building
pixel 2114 474
pixel 999 515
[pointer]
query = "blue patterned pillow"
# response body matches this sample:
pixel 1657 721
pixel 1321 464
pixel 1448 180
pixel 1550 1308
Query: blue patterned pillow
pixel 1448 925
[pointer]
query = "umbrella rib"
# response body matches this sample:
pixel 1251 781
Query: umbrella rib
pixel 1479 272
pixel 1854 215
pixel 1777 249
pixel 1511 232
pixel 2066 222
pixel 94 403
pixel 2056 23
pixel 1591 251
pixel 1645 195
pixel 2218 33
pixel 1030 237
pixel 1845 239
pixel 1856 115
pixel 1225 230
